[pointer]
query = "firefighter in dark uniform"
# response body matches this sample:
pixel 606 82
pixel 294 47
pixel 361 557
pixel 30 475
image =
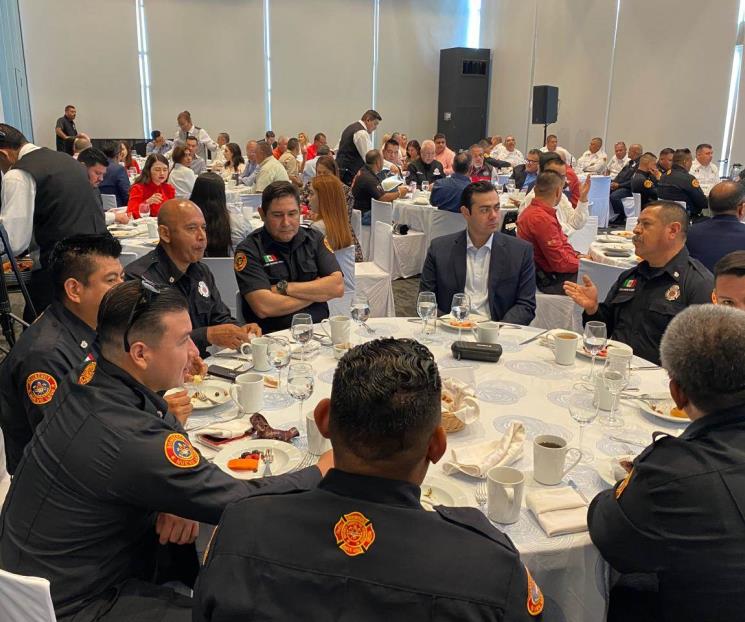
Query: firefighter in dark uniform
pixel 644 181
pixel 83 268
pixel 644 299
pixel 283 268
pixel 176 262
pixel 677 521
pixel 679 185
pixel 361 543
pixel 109 472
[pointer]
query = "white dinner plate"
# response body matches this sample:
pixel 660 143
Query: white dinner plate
pixel 286 457
pixel 663 412
pixel 623 234
pixel 446 321
pixel 610 344
pixel 440 491
pixel 605 469
pixel 216 390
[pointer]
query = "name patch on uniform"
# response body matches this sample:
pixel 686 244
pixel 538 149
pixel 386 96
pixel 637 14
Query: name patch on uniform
pixel 240 261
pixel 673 293
pixel 647 183
pixel 179 452
pixel 40 387
pixel 327 245
pixel 203 289
pixel 354 534
pixel 87 375
pixel 535 596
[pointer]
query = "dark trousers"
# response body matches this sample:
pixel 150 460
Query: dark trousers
pixel 553 283
pixel 617 213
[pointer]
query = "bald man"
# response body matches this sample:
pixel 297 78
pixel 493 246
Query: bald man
pixel 176 262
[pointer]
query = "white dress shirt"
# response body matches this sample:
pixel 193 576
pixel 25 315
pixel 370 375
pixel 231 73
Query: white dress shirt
pixel 182 178
pixel 477 275
pixel 570 218
pixel 594 163
pixel 707 175
pixel 205 142
pixel 496 150
pixel 568 157
pixel 19 198
pixel 309 170
pixel 515 158
pixel 615 165
pixel 362 140
pixel 269 171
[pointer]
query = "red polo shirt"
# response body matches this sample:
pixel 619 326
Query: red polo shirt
pixel 539 225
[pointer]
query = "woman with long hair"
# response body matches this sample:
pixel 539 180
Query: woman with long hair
pixel 126 158
pixel 234 162
pixel 413 151
pixel 225 229
pixel 182 178
pixel 151 186
pixel 330 210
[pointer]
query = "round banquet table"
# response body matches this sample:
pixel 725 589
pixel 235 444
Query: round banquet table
pixel 598 250
pixel 526 385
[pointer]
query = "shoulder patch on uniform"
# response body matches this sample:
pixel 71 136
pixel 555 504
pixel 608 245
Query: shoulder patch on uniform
pixel 354 534
pixel 40 387
pixel 87 375
pixel 647 183
pixel 694 183
pixel 241 259
pixel 622 486
pixel 327 244
pixel 179 452
pixel 673 293
pixel 535 599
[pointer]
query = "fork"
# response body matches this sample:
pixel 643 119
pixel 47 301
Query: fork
pixel 370 331
pixel 481 493
pixel 268 459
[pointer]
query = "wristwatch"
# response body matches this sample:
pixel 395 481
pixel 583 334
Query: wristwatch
pixel 282 287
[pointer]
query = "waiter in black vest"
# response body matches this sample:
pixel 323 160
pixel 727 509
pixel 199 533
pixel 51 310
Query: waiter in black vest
pixel 355 142
pixel 46 197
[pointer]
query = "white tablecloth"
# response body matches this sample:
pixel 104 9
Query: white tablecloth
pixel 597 253
pixel 525 385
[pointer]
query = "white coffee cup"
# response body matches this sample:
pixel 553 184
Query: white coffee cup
pixel 564 345
pixel 248 392
pixel 317 444
pixel 152 229
pixel 337 328
pixel 258 349
pixel 505 487
pixel 488 332
pixel 549 459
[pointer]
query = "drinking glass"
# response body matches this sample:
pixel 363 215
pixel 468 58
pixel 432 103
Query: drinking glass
pixel 616 375
pixel 460 307
pixel 425 186
pixel 300 380
pixel 144 210
pixel 510 187
pixel 360 310
pixel 302 330
pixel 279 352
pixel 426 307
pixel 594 340
pixel 583 412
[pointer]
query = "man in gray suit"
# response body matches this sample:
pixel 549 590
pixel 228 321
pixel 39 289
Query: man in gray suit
pixel 495 270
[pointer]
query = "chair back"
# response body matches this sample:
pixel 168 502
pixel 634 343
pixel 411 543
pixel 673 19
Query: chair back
pixel 599 198
pixel 341 305
pixel 444 223
pixel 4 476
pixel 25 598
pixel 239 307
pixel 357 222
pixel 582 238
pixel 380 212
pixel 637 203
pixel 126 258
pixel 503 179
pixel 383 246
pixel 682 204
pixel 251 200
pixel 109 201
pixel 224 273
pixel 603 275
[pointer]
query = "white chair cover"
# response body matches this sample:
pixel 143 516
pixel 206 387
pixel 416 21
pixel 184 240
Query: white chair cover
pixel 25 598
pixel 341 305
pixel 631 223
pixel 109 201
pixel 383 246
pixel 632 205
pixel 373 278
pixel 126 258
pixel 409 252
pixel 582 238
pixel 4 477
pixel 555 311
pixel 502 179
pixel 599 198
pixel 357 222
pixel 380 212
pixel 444 223
pixel 603 275
pixel 251 200
pixel 224 273
pixel 682 204
pixel 637 203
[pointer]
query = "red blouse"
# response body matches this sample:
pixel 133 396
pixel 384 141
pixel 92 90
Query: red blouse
pixel 139 193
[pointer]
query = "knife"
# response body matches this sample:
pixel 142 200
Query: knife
pixel 522 343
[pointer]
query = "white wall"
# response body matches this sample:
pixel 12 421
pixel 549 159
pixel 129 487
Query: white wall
pixel 76 56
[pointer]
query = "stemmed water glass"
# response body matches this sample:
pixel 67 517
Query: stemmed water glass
pixel 426 307
pixel 360 310
pixel 279 352
pixel 300 380
pixel 302 330
pixel 594 340
pixel 616 374
pixel 144 210
pixel 583 412
pixel 460 307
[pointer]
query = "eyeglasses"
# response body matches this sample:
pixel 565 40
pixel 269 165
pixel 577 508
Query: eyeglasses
pixel 532 161
pixel 150 293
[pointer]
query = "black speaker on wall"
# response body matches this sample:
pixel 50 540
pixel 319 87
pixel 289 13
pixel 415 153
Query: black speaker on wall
pixel 463 95
pixel 545 104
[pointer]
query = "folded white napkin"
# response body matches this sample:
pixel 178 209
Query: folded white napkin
pixel 559 510
pixel 476 460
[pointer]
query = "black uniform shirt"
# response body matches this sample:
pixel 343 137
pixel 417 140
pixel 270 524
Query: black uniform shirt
pixel 645 184
pixel 82 505
pixel 197 284
pixel 679 185
pixel 623 179
pixel 30 375
pixel 68 127
pixel 681 516
pixel 641 304
pixel 363 549
pixel 261 261
pixel 426 172
pixel 365 188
